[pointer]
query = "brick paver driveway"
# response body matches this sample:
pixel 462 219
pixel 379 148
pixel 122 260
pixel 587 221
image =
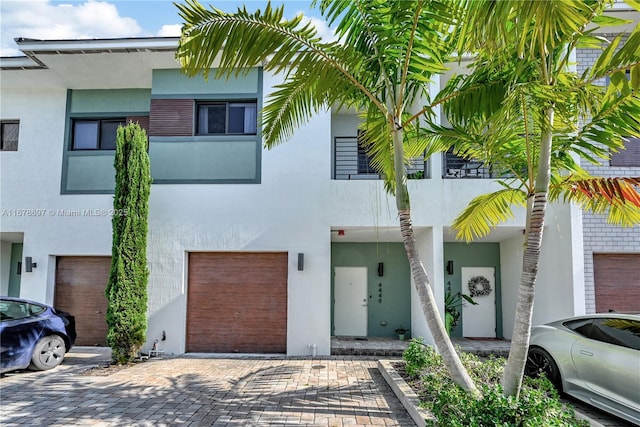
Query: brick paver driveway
pixel 204 391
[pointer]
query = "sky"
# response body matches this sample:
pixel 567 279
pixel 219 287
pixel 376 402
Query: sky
pixel 79 19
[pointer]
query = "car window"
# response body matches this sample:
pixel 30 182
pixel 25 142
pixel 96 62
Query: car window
pixel 12 310
pixel 581 326
pixel 622 332
pixel 35 309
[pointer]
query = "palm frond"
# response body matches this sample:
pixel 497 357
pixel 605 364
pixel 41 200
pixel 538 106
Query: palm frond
pixel 498 25
pixel 318 73
pixel 406 42
pixel 616 118
pixel 618 198
pixel 615 58
pixel 377 142
pixel 474 98
pixel 242 40
pixel 487 211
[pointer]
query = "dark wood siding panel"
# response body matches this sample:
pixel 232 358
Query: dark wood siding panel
pixel 143 121
pixel 237 303
pixel 617 282
pixel 171 117
pixel 80 286
pixel 630 156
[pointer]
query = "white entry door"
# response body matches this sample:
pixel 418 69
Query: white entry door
pixel 479 321
pixel 350 305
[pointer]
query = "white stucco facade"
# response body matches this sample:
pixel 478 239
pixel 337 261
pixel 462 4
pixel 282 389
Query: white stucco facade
pixel 294 209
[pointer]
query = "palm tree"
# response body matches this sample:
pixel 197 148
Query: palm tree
pixel 382 66
pixel 529 117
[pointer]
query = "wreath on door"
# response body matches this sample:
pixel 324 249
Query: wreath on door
pixel 479 286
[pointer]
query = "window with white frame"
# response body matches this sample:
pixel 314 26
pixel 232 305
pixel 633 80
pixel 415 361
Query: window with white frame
pixel 227 118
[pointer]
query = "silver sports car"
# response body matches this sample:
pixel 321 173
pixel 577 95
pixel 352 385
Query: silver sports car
pixel 593 358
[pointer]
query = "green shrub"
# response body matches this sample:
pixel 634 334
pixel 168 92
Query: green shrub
pixel 127 288
pixel 538 404
pixel 417 357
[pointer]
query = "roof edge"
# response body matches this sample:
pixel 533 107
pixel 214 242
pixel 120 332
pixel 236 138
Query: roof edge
pixel 20 63
pixel 28 45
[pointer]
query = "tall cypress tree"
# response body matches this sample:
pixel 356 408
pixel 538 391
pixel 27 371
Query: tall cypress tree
pixel 127 287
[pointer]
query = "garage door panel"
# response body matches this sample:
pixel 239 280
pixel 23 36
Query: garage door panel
pixel 80 287
pixel 237 268
pixel 617 282
pixel 237 302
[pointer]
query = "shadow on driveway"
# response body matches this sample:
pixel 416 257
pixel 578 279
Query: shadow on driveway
pixel 164 392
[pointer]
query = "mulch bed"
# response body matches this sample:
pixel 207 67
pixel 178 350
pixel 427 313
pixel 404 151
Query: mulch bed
pixel 414 383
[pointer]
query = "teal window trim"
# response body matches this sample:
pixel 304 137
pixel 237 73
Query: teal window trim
pixel 202 138
pixel 210 138
pixel 68 151
pixel 214 96
pixel 200 97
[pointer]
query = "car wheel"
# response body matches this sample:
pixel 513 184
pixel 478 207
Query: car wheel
pixel 539 361
pixel 48 353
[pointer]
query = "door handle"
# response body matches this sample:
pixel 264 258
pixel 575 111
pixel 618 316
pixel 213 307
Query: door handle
pixel 586 353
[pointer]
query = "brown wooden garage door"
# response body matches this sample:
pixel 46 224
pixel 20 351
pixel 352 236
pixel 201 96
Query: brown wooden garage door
pixel 617 282
pixel 237 302
pixel 80 286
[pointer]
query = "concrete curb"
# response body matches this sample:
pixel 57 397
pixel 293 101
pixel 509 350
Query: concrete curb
pixel 409 398
pixel 405 394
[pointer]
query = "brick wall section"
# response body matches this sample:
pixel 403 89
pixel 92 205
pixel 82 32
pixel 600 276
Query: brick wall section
pixel 600 237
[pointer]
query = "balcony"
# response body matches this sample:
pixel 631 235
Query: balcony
pixel 351 162
pixel 456 167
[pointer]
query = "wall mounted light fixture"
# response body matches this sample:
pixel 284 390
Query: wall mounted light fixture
pixel 450 267
pixel 29 265
pixel 300 261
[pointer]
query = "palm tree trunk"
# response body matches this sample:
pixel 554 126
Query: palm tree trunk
pixel 514 369
pixel 443 343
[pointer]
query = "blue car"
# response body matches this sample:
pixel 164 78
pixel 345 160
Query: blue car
pixel 33 335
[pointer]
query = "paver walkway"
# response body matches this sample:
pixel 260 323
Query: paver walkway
pixel 191 391
pixel 204 392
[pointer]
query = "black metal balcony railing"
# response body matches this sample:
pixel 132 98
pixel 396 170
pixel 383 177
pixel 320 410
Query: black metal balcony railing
pixel 454 166
pixel 351 162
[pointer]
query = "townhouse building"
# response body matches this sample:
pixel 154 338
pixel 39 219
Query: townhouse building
pixel 611 253
pixel 249 250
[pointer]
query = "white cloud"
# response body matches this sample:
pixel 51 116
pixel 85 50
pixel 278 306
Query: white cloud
pixel 324 31
pixel 170 30
pixel 38 19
